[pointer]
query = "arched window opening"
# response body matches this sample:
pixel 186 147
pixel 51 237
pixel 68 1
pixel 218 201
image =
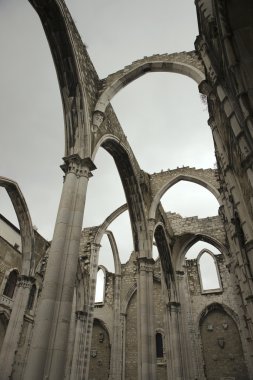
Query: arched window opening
pixel 155 253
pixel 208 272
pixel 159 345
pixel 31 298
pixel 190 199
pixel 100 286
pixel 202 261
pixel 11 284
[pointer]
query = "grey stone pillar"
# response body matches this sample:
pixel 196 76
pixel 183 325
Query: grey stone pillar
pixel 116 349
pixel 47 354
pixel 123 327
pixel 71 339
pixel 188 359
pixel 145 320
pixel 78 352
pixel 11 339
pixel 173 342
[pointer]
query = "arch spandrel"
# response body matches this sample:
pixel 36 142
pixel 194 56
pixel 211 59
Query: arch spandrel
pixel 25 223
pixel 161 182
pixel 185 63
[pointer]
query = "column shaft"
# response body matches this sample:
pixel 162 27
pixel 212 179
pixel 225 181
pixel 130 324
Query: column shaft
pixel 11 339
pixel 145 320
pixel 47 355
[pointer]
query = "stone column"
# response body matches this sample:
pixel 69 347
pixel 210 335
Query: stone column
pixel 145 320
pixel 188 360
pixel 78 352
pixel 173 341
pixel 11 339
pixel 116 349
pixel 123 358
pixel 47 354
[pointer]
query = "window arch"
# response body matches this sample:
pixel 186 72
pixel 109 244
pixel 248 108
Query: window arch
pixel 11 283
pixel 100 286
pixel 208 272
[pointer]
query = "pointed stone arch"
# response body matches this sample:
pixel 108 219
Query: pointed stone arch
pixel 161 185
pixel 25 223
pixel 191 239
pixel 185 63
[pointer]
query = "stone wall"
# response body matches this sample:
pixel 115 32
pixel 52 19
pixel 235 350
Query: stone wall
pixel 100 353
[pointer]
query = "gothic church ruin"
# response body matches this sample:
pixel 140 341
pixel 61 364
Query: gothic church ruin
pixel 157 319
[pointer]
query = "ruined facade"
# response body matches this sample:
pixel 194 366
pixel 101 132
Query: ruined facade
pixel 157 320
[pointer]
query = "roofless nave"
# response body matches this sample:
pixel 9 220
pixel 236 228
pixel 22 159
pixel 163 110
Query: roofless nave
pixel 157 319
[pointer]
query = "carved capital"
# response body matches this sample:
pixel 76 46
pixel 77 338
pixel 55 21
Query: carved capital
pixel 25 281
pixel 81 167
pixel 81 315
pixel 145 264
pixel 205 88
pixel 174 306
pixel 97 120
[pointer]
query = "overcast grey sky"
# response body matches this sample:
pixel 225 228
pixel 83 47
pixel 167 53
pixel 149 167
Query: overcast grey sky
pixel 161 113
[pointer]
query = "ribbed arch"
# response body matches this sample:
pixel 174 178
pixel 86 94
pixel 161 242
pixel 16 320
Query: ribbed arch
pixel 59 28
pixel 128 170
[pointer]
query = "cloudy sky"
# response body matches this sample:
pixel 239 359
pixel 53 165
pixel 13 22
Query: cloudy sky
pixel 161 113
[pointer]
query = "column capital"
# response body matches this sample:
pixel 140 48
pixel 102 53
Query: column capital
pixel 145 264
pixel 25 281
pixel 174 306
pixel 81 167
pixel 81 315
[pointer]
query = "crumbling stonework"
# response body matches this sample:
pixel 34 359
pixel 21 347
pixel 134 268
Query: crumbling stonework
pixel 47 312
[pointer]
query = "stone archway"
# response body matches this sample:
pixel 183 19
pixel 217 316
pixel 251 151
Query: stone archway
pixel 221 345
pixel 185 63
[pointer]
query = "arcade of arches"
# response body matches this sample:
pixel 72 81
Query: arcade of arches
pixel 156 319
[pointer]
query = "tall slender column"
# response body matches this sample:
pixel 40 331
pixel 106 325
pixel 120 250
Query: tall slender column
pixel 84 324
pixel 78 352
pixel 145 320
pixel 188 359
pixel 174 340
pixel 49 342
pixel 116 350
pixel 11 339
pixel 123 358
